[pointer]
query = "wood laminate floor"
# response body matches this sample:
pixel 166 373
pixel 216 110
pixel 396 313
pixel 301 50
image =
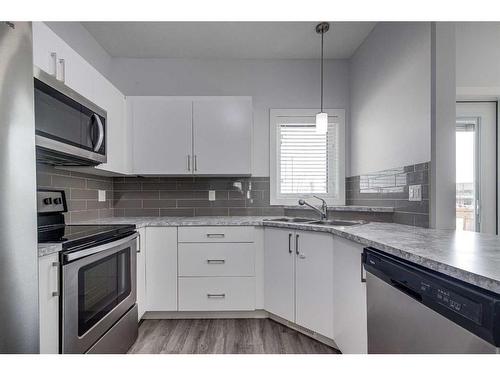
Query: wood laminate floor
pixel 223 336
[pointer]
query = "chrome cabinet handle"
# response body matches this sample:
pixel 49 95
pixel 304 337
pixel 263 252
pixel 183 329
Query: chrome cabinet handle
pixel 138 242
pixel 290 243
pixel 53 56
pixel 221 295
pixel 195 162
pixel 297 244
pixel 215 235
pixel 62 64
pixel 189 162
pixel 100 127
pixel 56 265
pixel 363 277
pixel 216 261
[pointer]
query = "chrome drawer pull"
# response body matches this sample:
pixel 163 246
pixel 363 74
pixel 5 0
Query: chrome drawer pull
pixel 221 295
pixel 215 235
pixel 216 261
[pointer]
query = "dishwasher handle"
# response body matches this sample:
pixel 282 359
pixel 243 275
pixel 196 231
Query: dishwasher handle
pixel 406 290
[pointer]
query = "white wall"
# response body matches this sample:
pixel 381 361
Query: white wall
pixel 390 98
pixel 478 54
pixel 271 83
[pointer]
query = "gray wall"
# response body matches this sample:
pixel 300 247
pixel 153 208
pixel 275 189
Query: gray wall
pixel 390 98
pixel 477 55
pixel 271 83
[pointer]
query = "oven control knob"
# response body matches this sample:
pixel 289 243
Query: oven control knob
pixel 57 201
pixel 47 201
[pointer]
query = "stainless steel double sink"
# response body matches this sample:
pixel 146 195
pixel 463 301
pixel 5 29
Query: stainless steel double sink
pixel 334 222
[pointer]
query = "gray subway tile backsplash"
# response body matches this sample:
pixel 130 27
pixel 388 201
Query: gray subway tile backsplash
pixel 188 196
pixel 389 188
pixel 81 192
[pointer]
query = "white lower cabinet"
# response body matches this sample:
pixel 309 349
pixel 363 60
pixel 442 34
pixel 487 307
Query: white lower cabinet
pixel 298 278
pixel 141 272
pixel 349 312
pixel 279 273
pixel 48 289
pixel 161 269
pixel 216 293
pixel 314 282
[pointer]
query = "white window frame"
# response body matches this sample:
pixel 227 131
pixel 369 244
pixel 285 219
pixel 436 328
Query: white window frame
pixel 332 198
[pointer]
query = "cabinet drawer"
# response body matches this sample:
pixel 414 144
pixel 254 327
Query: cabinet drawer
pixel 216 234
pixel 216 259
pixel 216 293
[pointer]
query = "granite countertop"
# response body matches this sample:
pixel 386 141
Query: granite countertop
pixel 468 256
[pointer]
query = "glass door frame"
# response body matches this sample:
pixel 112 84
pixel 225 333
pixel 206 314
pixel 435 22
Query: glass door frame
pixel 475 123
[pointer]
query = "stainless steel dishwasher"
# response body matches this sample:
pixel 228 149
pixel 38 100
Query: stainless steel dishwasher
pixel 412 309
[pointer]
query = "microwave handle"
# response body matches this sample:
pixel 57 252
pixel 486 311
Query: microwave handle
pixel 100 138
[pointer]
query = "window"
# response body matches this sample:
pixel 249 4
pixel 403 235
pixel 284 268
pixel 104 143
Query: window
pixel 303 162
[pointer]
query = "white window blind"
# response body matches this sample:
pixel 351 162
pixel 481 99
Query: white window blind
pixel 303 162
pixel 305 158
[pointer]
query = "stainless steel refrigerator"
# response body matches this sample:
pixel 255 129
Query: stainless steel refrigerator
pixel 19 331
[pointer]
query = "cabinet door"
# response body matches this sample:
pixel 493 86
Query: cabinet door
pixel 77 73
pixel 279 280
pixel 48 282
pixel 45 42
pixel 162 135
pixel 113 101
pixel 141 273
pixel 314 282
pixel 161 269
pixel 349 313
pixel 222 135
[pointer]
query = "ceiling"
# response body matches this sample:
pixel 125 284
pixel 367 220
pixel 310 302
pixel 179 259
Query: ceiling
pixel 227 40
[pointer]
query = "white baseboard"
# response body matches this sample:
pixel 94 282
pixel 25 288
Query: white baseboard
pixel 255 314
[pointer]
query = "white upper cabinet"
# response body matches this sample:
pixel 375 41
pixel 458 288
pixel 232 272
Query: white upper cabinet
pixel 162 135
pixel 191 135
pixel 117 150
pixel 222 128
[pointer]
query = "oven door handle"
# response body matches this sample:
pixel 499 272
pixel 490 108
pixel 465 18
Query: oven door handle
pixel 97 249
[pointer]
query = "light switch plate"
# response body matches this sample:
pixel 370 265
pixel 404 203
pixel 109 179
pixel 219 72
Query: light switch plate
pixel 415 192
pixel 211 195
pixel 101 195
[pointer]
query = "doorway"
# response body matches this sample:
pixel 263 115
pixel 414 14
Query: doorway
pixel 476 167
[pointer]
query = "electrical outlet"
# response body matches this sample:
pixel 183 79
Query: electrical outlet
pixel 101 195
pixel 415 192
pixel 211 195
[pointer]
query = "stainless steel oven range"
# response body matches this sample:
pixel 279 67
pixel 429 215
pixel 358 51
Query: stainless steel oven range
pixel 98 310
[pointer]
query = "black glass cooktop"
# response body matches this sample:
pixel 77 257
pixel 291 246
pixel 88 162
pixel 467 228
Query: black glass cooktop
pixel 77 235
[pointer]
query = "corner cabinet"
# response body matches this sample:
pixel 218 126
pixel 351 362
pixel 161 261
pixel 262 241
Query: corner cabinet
pixel 191 135
pixel 349 311
pixel 298 278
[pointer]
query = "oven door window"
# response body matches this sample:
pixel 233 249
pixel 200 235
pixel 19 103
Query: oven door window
pixel 102 285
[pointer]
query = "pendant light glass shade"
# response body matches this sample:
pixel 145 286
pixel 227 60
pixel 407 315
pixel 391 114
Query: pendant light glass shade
pixel 321 123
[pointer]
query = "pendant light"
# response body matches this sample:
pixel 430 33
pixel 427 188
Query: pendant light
pixel 322 117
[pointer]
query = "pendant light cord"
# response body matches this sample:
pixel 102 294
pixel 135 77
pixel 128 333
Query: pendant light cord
pixel 322 35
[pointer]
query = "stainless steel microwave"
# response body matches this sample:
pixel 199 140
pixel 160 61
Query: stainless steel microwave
pixel 70 129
